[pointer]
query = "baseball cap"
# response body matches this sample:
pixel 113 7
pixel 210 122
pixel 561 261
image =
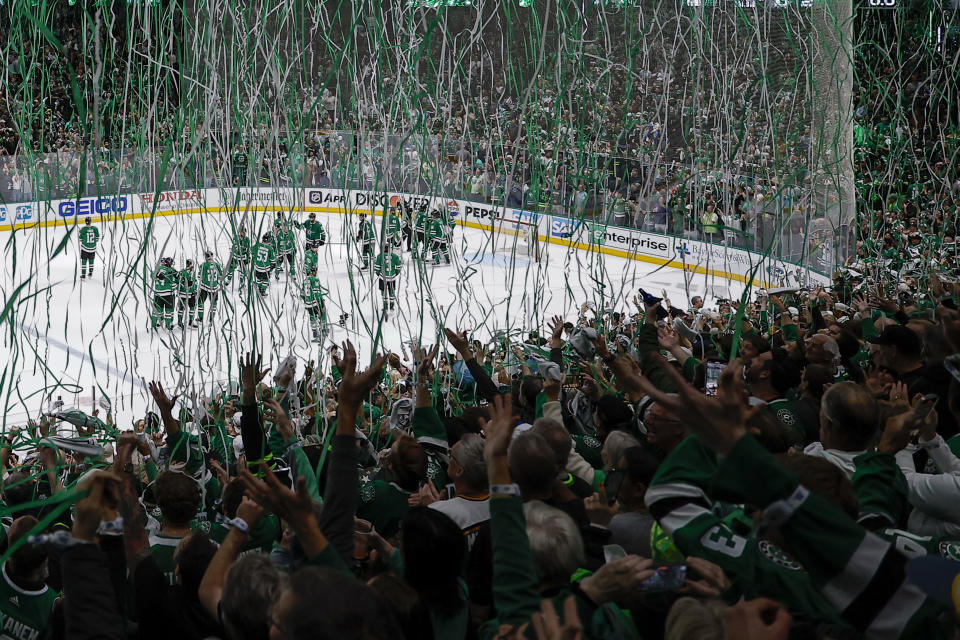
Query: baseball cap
pixel 899 336
pixel 938 577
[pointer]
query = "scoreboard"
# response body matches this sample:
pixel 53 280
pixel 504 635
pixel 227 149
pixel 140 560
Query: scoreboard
pixel 784 4
pixel 751 4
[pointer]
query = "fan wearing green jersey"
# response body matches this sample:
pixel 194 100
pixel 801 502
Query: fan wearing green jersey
pixel 164 288
pixel 285 244
pixel 178 498
pixel 316 235
pixel 264 261
pixel 211 279
pixel 387 267
pixel 239 255
pixel 187 292
pixel 26 602
pixel 365 239
pixel 89 237
pixel 311 292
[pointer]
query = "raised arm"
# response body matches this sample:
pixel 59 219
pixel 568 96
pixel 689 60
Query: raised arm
pixel 340 493
pixel 211 586
pixel 165 403
pixel 486 388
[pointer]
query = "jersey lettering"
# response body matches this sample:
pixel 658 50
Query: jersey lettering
pixel 722 540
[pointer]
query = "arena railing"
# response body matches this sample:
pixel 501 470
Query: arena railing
pixel 777 224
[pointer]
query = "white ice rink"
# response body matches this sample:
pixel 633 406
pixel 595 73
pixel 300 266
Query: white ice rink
pixel 88 339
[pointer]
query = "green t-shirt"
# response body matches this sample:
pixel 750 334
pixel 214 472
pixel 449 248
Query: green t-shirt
pixel 793 415
pixel 25 613
pixel 589 447
pixel 162 549
pixel 384 504
pixel 435 471
pixel 89 236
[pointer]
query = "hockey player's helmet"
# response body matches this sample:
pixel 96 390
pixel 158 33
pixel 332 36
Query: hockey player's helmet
pixel 208 255
pixel 189 264
pixel 88 220
pixel 267 237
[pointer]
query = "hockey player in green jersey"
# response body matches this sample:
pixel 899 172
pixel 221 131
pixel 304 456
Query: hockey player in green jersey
pixel 311 293
pixel 393 227
pixel 211 276
pixel 310 260
pixel 239 255
pixel 420 223
pixel 365 238
pixel 187 292
pixel 387 268
pixel 164 288
pixel 286 246
pixel 438 239
pixel 89 237
pixel 316 235
pixel 264 261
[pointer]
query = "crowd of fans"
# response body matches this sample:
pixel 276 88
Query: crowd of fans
pixel 784 468
pixel 635 150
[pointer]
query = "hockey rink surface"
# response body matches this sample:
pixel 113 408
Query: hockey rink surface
pixel 84 340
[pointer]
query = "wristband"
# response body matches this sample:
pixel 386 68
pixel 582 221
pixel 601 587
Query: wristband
pixel 58 539
pixel 505 490
pixel 237 523
pixel 111 527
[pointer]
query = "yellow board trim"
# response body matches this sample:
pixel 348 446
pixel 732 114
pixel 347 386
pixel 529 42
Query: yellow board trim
pixel 673 264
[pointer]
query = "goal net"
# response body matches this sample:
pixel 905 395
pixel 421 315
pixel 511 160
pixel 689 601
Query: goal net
pixel 516 238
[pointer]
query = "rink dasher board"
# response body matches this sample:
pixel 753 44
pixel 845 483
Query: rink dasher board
pixel 693 256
